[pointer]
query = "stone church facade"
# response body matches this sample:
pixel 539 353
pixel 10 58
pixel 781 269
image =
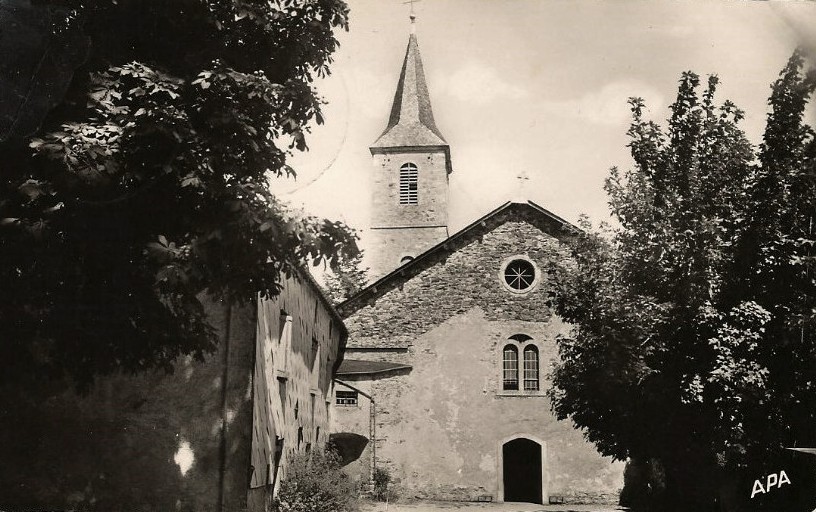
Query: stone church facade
pixel 450 346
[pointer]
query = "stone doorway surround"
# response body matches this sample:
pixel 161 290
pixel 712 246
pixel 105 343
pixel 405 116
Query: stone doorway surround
pixel 545 496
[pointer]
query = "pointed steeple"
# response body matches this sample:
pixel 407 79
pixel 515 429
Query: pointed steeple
pixel 412 161
pixel 411 123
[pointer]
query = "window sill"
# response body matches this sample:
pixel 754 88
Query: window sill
pixel 520 393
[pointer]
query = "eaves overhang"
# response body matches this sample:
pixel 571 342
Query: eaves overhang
pixel 389 150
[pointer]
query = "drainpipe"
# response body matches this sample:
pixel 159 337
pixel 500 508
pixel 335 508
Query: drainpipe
pixel 222 504
pixel 372 429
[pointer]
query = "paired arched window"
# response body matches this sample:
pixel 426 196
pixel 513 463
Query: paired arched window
pixel 510 368
pixel 529 368
pixel 409 184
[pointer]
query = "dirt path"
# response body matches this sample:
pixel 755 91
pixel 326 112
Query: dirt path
pixel 448 506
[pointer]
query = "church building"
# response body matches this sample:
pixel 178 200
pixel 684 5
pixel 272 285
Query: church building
pixel 450 345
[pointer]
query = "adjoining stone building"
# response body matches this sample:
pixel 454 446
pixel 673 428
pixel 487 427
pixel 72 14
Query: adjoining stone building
pixel 449 348
pixel 213 436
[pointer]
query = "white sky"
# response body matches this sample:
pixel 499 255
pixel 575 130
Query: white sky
pixel 534 87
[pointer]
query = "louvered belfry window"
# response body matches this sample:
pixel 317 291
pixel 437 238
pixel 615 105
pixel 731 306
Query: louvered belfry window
pixel 510 368
pixel 408 184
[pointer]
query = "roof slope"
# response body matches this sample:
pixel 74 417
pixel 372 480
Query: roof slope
pixel 542 218
pixel 411 122
pixel 357 367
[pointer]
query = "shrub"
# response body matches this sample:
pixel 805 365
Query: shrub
pixel 382 490
pixel 644 483
pixel 315 483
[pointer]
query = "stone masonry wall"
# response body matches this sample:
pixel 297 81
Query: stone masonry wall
pixel 466 278
pixel 432 199
pixel 440 427
pixel 419 226
pixel 393 244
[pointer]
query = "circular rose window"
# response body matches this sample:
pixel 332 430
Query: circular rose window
pixel 519 274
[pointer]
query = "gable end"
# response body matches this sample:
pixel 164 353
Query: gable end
pixel 530 212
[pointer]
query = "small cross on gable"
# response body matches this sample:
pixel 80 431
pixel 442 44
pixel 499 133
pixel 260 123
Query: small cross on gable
pixel 522 178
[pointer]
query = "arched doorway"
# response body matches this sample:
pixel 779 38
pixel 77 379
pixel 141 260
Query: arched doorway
pixel 521 470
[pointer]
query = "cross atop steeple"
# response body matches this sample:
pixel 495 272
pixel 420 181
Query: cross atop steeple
pixel 412 15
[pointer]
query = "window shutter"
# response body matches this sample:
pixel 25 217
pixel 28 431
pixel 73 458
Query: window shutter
pixel 409 184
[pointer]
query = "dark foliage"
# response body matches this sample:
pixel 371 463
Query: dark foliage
pixel 347 278
pixel 695 341
pixel 153 182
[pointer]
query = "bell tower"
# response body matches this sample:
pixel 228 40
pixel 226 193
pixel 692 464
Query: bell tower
pixel 410 177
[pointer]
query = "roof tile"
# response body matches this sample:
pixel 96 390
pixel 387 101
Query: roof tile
pixel 411 122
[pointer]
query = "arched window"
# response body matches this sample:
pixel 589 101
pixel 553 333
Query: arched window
pixel 530 368
pixel 510 368
pixel 408 192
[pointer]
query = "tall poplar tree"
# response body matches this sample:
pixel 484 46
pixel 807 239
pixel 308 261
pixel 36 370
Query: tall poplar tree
pixel 692 350
pixel 346 279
